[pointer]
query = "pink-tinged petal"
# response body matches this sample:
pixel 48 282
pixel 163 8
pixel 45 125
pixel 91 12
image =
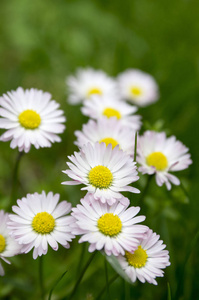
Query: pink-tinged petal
pixel 26 233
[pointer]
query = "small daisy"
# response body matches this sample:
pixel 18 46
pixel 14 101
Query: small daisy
pixel 108 131
pixel 8 246
pixel 112 107
pixel 160 155
pixel 88 82
pixel 147 261
pixel 138 87
pixel 40 221
pixel 112 228
pixel 30 117
pixel 104 171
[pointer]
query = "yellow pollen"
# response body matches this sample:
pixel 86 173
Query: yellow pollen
pixel 109 224
pixel 111 112
pixel 157 160
pixel 100 177
pixel 111 141
pixel 94 91
pixel 43 223
pixel 135 91
pixel 2 243
pixel 138 258
pixel 29 119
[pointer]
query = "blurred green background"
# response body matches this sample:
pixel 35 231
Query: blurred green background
pixel 41 43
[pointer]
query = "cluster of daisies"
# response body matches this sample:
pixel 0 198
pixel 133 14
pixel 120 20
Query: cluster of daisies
pixel 104 165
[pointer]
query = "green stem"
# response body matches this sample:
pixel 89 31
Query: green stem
pixel 135 146
pixel 169 291
pixel 15 177
pixel 41 280
pixel 127 290
pixel 143 194
pixel 180 286
pixel 56 283
pixel 81 257
pixel 104 288
pixel 81 275
pixel 106 275
pixel 184 191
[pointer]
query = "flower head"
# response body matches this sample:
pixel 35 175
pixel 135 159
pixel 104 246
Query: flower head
pixel 112 228
pixel 138 87
pixel 110 107
pixel 39 221
pixel 104 171
pixel 88 82
pixel 8 246
pixel 30 117
pixel 108 131
pixel 147 261
pixel 160 155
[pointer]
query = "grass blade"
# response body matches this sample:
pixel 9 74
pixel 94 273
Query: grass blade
pixel 135 147
pixel 56 283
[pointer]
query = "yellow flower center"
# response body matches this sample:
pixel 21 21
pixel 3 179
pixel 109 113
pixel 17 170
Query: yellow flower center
pixel 43 223
pixel 100 177
pixel 29 119
pixel 2 243
pixel 109 224
pixel 111 112
pixel 157 160
pixel 94 91
pixel 138 258
pixel 109 141
pixel 136 91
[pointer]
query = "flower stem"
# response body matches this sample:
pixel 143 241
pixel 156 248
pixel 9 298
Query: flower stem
pixel 135 146
pixel 81 257
pixel 105 287
pixel 184 191
pixel 41 280
pixel 169 291
pixel 56 283
pixel 127 290
pixel 15 177
pixel 145 190
pixel 106 275
pixel 81 275
pixel 180 284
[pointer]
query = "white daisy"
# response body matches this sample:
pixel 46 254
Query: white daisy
pixel 112 107
pixel 89 82
pixel 40 221
pixel 138 87
pixel 160 155
pixel 111 228
pixel 104 171
pixel 8 246
pixel 147 261
pixel 108 131
pixel 30 117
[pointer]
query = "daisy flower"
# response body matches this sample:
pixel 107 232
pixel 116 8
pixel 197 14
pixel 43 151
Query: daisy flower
pixel 104 171
pixel 160 155
pixel 111 228
pixel 138 87
pixel 8 246
pixel 108 131
pixel 147 261
pixel 112 107
pixel 30 117
pixel 89 82
pixel 38 221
